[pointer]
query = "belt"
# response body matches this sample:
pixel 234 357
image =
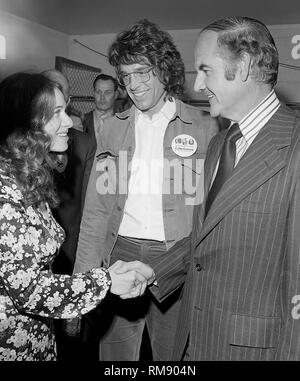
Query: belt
pixel 140 240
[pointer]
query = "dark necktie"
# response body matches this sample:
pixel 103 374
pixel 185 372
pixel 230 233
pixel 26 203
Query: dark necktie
pixel 226 163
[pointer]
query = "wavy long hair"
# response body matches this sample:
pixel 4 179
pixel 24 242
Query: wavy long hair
pixel 146 43
pixel 27 102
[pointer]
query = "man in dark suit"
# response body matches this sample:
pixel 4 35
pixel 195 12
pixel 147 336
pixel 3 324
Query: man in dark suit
pixel 71 176
pixel 105 94
pixel 242 290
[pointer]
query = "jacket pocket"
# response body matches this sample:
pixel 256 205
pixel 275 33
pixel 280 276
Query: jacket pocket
pixel 253 331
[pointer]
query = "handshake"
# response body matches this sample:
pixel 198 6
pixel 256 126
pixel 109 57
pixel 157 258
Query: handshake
pixel 130 279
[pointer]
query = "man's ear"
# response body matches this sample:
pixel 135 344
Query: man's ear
pixel 245 66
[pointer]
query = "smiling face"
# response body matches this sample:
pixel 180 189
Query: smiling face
pixel 147 96
pixel 225 95
pixel 58 125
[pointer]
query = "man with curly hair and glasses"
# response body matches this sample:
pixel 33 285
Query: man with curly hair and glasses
pixel 146 179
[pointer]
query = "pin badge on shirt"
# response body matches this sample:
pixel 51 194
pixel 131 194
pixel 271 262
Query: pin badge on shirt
pixel 184 145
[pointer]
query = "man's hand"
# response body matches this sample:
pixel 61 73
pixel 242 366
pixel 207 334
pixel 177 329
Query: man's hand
pixel 126 282
pixel 140 268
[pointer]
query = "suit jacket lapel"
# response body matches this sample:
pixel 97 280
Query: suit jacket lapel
pixel 210 163
pixel 261 161
pixel 212 159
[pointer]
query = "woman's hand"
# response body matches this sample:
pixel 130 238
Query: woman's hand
pixel 126 284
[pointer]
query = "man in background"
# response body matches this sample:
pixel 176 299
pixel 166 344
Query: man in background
pixel 105 94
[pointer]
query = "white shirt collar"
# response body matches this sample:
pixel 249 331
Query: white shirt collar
pixel 168 110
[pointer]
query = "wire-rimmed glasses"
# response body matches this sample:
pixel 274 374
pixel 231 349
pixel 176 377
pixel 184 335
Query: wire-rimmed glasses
pixel 142 75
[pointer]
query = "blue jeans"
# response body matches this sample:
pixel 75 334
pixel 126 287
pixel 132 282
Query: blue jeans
pixel 123 321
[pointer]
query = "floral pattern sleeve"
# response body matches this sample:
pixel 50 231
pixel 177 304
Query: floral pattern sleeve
pixel 29 240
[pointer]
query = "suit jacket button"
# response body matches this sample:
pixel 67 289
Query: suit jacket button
pixel 198 267
pixel 119 208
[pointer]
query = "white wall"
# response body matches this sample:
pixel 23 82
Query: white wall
pixel 98 42
pixel 288 85
pixel 29 46
pixel 288 82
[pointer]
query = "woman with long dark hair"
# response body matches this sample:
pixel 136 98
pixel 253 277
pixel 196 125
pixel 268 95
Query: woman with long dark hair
pixel 33 123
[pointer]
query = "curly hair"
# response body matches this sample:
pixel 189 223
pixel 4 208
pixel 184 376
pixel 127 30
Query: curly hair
pixel 27 104
pixel 239 35
pixel 146 43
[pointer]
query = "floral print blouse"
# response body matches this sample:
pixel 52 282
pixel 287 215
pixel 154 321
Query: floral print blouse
pixel 30 294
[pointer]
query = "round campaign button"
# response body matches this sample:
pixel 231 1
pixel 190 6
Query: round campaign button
pixel 184 145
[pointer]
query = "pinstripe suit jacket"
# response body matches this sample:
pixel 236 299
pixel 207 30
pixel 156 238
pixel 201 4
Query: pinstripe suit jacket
pixel 245 266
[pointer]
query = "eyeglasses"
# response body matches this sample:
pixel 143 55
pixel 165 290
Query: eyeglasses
pixel 142 75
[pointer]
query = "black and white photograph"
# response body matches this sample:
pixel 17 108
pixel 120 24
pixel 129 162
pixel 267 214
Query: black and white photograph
pixel 149 183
